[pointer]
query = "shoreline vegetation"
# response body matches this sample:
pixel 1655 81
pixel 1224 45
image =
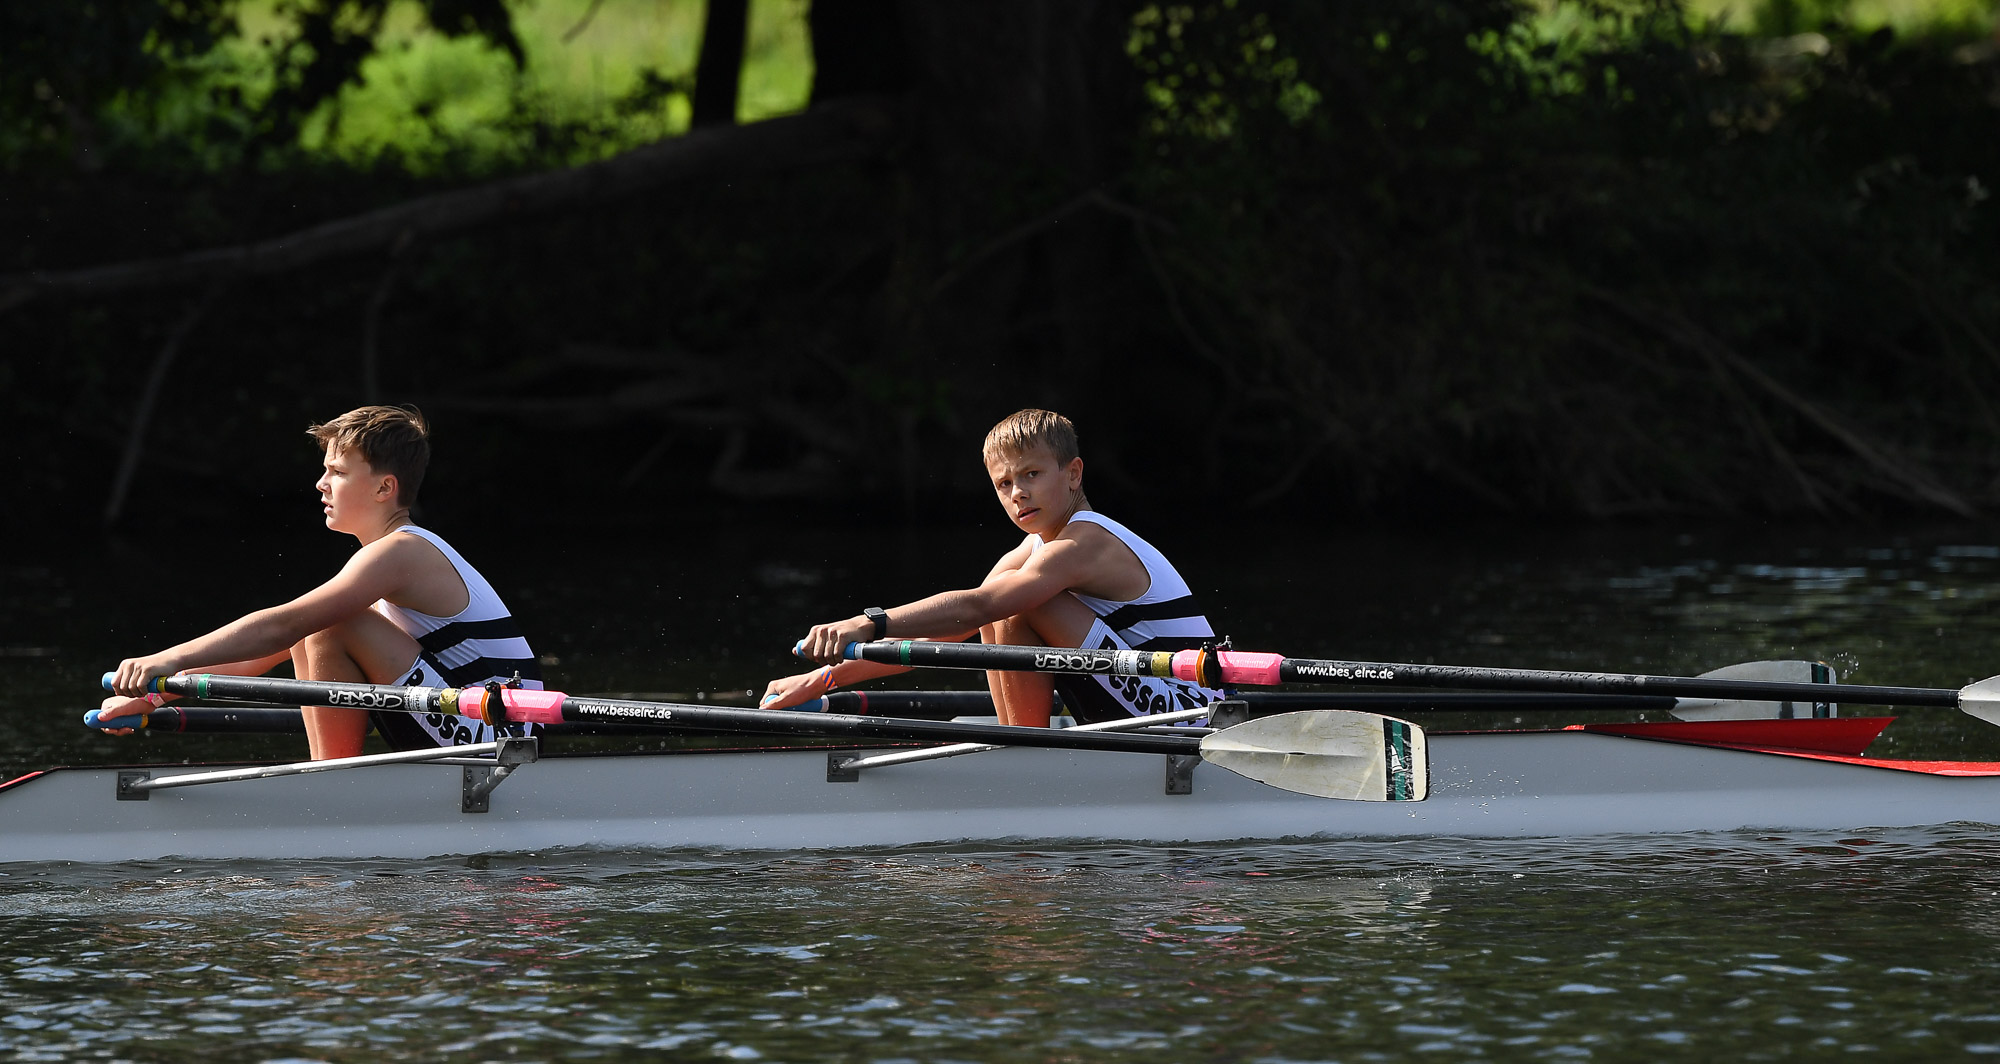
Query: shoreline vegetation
pixel 1616 259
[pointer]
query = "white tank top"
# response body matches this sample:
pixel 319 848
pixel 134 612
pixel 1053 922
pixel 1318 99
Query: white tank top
pixel 478 643
pixel 1166 617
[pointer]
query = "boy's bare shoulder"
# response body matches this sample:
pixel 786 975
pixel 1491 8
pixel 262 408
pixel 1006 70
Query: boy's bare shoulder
pixel 1099 563
pixel 1087 534
pixel 398 561
pixel 1083 546
pixel 419 575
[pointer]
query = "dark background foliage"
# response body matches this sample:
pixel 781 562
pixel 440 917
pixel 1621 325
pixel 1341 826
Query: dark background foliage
pixel 1387 256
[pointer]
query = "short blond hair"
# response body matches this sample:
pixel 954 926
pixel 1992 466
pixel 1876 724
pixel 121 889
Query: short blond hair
pixel 392 439
pixel 1023 429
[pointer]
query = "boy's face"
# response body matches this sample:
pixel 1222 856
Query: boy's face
pixel 1034 488
pixel 348 488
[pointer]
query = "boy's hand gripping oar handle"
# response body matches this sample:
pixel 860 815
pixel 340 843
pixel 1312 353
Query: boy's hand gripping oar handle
pixel 96 719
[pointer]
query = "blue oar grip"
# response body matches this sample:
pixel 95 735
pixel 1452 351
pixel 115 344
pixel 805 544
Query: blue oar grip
pixel 850 652
pixel 811 705
pixel 96 719
pixel 157 685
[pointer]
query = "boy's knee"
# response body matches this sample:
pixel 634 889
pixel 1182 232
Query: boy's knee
pixel 316 642
pixel 1015 631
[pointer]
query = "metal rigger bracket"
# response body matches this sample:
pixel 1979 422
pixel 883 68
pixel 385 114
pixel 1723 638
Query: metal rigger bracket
pixel 481 773
pixel 844 766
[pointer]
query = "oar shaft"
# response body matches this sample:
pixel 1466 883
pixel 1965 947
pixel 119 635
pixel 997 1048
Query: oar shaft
pixel 1231 668
pixel 1270 668
pixel 550 707
pixel 942 705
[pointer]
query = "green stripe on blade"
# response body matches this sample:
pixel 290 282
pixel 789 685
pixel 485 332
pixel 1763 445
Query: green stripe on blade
pixel 1396 751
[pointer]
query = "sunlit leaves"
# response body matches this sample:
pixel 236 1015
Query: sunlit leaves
pixel 1196 82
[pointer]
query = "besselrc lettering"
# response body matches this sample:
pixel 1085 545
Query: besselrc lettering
pixel 603 709
pixel 1344 672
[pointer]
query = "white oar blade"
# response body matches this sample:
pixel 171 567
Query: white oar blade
pixel 1982 699
pixel 1765 671
pixel 1332 753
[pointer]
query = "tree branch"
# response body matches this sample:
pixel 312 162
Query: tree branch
pixel 142 417
pixel 837 132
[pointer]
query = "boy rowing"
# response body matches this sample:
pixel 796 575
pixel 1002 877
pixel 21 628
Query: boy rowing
pixel 1079 579
pixel 406 609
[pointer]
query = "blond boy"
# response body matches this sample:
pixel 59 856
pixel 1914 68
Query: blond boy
pixel 1079 579
pixel 405 609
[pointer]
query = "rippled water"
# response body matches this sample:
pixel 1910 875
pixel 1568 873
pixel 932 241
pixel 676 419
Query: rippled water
pixel 1658 948
pixel 1664 948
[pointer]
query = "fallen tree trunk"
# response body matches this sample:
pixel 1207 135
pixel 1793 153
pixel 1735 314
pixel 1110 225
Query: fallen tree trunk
pixel 843 131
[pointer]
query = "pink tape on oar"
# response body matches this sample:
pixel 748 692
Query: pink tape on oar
pixel 531 707
pixel 1236 667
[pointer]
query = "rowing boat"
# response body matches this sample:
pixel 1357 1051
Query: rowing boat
pixel 1252 772
pixel 1587 780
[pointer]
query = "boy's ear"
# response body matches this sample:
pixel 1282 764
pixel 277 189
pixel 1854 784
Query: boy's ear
pixel 386 486
pixel 1075 471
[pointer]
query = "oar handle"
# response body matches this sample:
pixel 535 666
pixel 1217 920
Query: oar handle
pixel 157 685
pixel 96 719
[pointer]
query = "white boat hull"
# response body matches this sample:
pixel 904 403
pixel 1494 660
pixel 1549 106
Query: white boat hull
pixel 1549 784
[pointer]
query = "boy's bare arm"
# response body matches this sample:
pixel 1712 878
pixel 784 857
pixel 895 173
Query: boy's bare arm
pixel 787 691
pixel 1007 592
pixel 376 571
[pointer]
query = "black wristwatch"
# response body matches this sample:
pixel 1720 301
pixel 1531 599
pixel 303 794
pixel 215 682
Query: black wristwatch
pixel 881 618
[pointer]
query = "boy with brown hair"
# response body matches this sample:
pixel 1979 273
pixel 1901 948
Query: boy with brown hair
pixel 406 609
pixel 1079 579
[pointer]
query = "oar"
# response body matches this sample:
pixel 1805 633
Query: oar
pixel 1229 668
pixel 1329 753
pixel 944 705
